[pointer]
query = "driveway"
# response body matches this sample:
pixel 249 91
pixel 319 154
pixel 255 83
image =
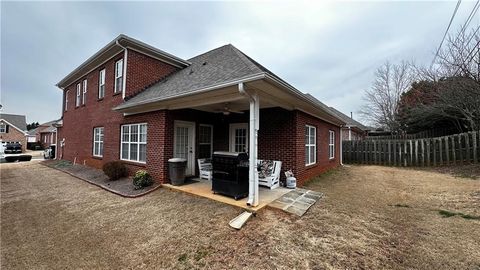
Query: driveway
pixel 371 217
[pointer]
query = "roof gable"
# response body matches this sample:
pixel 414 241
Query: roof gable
pixel 19 121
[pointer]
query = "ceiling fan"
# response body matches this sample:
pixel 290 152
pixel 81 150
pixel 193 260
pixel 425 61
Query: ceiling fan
pixel 226 110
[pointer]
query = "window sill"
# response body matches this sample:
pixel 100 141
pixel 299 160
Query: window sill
pixel 100 99
pixel 117 93
pixel 97 157
pixel 311 165
pixel 134 163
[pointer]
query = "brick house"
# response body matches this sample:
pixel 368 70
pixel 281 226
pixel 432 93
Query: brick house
pixel 46 133
pixel 138 104
pixel 13 128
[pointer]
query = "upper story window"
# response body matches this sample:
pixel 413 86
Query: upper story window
pixel 77 100
pixel 331 144
pixel 3 128
pixel 310 145
pixel 101 84
pixel 84 95
pixel 66 99
pixel 118 76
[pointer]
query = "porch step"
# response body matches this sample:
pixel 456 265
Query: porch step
pixel 238 222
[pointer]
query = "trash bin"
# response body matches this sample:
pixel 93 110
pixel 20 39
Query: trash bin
pixel 176 170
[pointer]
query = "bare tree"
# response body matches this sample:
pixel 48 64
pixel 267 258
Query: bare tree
pixel 461 55
pixel 382 100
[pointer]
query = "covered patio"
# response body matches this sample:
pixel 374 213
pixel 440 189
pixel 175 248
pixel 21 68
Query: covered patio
pixel 228 117
pixel 203 188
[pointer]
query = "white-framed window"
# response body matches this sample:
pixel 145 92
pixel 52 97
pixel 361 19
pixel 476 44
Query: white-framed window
pixel 101 84
pixel 133 146
pixel 77 101
pixel 45 138
pixel 239 137
pixel 66 99
pixel 3 128
pixel 98 141
pixel 331 144
pixel 310 145
pixel 118 76
pixel 205 140
pixel 84 95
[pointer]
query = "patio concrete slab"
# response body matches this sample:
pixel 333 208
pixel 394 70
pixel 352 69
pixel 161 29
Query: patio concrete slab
pixel 297 201
pixel 203 188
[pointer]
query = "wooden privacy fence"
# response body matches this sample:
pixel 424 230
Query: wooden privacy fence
pixel 453 149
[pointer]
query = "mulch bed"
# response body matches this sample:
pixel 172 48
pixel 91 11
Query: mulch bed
pixel 123 186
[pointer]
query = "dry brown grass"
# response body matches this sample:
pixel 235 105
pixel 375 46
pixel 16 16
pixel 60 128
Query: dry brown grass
pixel 371 218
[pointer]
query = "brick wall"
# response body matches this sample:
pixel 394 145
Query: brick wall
pixel 79 122
pixel 14 135
pixel 47 139
pixel 304 173
pixel 281 137
pixel 143 70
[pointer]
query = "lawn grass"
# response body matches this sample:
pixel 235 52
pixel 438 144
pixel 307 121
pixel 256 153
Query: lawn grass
pixel 448 214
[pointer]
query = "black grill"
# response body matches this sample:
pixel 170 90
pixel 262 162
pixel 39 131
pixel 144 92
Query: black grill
pixel 230 174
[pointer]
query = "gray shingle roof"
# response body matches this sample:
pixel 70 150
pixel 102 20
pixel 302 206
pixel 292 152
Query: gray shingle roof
pixel 351 122
pixel 214 67
pixel 18 121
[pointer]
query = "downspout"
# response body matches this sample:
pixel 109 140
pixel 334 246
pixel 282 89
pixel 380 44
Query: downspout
pixel 56 143
pixel 253 150
pixel 125 56
pixel 341 145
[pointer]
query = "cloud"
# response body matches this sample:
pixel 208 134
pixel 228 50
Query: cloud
pixel 329 49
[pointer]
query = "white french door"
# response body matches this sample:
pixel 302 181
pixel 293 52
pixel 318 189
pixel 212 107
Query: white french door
pixel 184 144
pixel 239 137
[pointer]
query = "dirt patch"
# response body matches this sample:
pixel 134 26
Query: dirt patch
pixel 122 186
pixel 51 220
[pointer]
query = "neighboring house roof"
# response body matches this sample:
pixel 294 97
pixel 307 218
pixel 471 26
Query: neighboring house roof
pixel 115 47
pixel 350 121
pixel 47 127
pixel 214 68
pixel 32 132
pixel 18 121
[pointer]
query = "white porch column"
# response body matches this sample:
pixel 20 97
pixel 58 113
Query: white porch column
pixel 253 145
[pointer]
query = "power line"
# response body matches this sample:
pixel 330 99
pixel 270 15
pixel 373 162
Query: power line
pixel 446 32
pixel 469 18
pixel 472 53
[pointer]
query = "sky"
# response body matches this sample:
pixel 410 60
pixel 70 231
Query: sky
pixel 328 49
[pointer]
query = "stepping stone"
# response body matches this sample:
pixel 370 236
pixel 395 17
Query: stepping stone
pixel 297 201
pixel 296 211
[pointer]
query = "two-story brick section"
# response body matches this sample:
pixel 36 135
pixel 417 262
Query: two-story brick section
pixel 138 104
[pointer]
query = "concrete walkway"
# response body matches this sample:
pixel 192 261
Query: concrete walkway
pixel 297 201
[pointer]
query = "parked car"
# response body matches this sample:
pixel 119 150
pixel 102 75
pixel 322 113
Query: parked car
pixel 12 148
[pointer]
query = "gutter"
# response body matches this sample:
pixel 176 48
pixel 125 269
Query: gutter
pixel 200 90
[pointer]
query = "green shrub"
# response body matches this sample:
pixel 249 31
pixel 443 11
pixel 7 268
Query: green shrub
pixel 142 179
pixel 115 170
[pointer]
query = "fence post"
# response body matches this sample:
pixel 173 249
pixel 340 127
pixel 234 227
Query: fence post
pixel 411 152
pixel 460 148
pixel 422 153
pixel 454 159
pixel 416 152
pixel 375 152
pixel 389 153
pixel 474 136
pixel 428 151
pixel 467 147
pixel 394 153
pixel 440 162
pixel 447 153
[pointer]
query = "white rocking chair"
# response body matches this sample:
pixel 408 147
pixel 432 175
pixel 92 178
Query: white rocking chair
pixel 205 168
pixel 269 173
